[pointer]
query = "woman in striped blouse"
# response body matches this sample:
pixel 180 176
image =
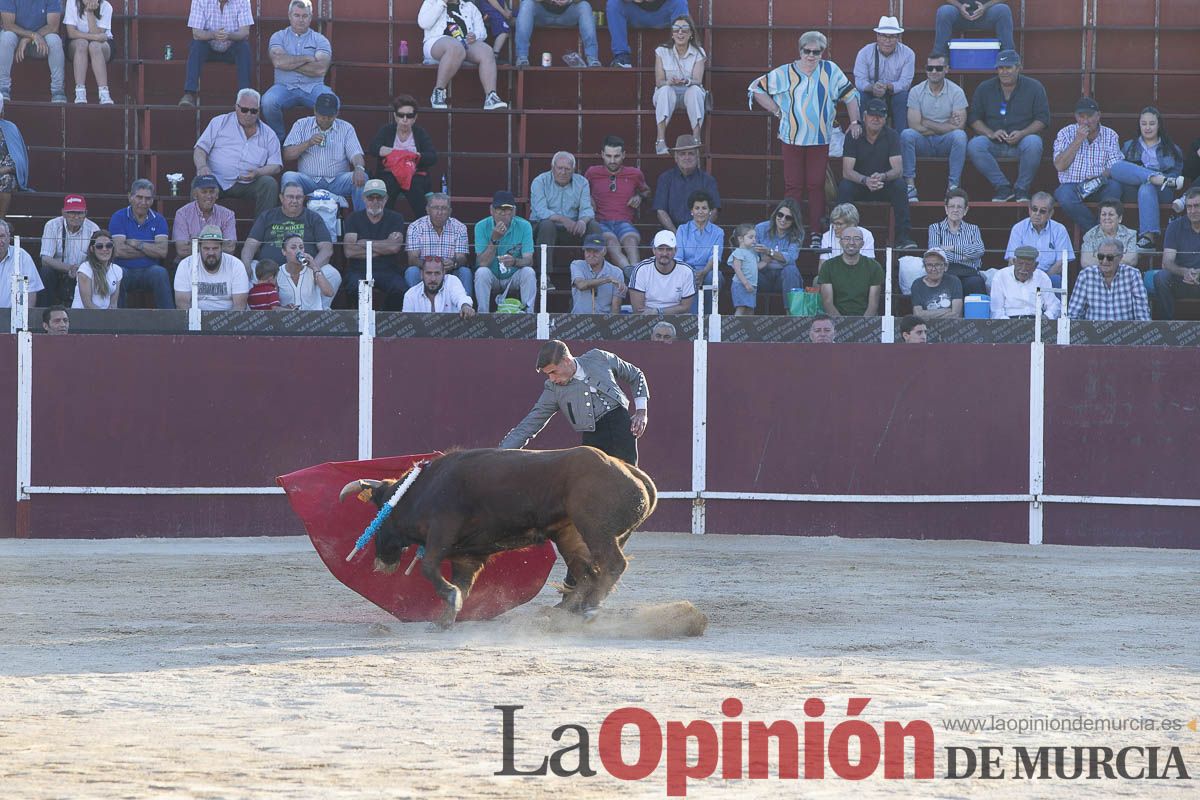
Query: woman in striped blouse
pixel 962 243
pixel 803 96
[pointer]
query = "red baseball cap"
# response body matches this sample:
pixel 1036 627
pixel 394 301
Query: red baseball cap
pixel 74 202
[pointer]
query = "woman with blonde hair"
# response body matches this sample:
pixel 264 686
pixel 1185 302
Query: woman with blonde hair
pixel 844 216
pixel 98 278
pixel 678 78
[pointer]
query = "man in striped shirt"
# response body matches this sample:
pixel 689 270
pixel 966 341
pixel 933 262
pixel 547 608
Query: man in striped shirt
pixel 220 32
pixel 1083 154
pixel 328 153
pixel 1109 289
pixel 962 243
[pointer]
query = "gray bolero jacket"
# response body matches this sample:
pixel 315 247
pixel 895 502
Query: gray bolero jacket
pixel 602 369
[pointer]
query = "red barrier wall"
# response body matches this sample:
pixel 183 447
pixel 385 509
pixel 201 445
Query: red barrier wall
pixel 1122 422
pixel 846 419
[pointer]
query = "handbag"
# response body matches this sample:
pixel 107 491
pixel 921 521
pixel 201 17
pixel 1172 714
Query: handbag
pixel 801 303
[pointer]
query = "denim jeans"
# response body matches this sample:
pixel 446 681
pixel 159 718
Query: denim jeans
pixel 1168 288
pixel 148 279
pixel 1134 180
pixel 948 21
pixel 55 56
pixel 199 53
pixel 1067 196
pixel 342 186
pixel 279 98
pixel 622 13
pixel 983 153
pixel 388 280
pixel 893 192
pixel 531 15
pixel 412 276
pixel 953 144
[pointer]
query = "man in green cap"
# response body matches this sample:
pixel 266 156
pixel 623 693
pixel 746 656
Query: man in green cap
pixel 221 282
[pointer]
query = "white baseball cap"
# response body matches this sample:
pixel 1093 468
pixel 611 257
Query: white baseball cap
pixel 664 238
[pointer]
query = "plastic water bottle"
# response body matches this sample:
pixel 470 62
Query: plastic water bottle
pixel 445 186
pixel 168 53
pixel 403 51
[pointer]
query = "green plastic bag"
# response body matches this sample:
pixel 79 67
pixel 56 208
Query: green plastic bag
pixel 803 304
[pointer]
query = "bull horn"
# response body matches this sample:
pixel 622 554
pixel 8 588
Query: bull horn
pixel 354 487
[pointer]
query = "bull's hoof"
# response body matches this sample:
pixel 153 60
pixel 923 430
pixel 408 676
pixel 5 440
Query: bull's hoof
pixel 589 613
pixel 454 603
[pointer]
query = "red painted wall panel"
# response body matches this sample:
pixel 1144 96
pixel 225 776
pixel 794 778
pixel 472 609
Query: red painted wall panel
pixel 188 411
pixel 864 419
pixel 1120 421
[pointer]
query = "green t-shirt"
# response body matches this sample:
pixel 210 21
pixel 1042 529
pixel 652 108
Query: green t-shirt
pixel 851 285
pixel 517 242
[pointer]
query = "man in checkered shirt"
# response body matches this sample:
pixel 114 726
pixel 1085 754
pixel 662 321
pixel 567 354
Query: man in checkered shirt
pixel 1083 154
pixel 1109 289
pixel 220 32
pixel 442 236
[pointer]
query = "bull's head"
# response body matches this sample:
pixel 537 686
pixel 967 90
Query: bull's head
pixel 389 542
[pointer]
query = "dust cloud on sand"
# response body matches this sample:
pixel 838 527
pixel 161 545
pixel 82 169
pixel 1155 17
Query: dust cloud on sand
pixel 240 668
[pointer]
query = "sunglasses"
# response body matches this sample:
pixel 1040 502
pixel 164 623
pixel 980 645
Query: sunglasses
pixel 808 51
pixel 680 29
pixel 402 115
pixel 935 68
pixel 102 245
pixel 1039 210
pixel 612 183
pixel 1106 256
pixel 781 215
pixel 245 110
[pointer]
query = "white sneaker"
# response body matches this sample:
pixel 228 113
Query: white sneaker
pixel 1178 180
pixel 81 94
pixel 105 97
pixel 493 102
pixel 438 99
pixel 1177 206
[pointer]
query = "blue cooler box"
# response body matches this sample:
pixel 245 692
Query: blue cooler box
pixel 973 54
pixel 977 306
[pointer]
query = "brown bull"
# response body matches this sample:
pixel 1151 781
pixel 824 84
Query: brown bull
pixel 467 505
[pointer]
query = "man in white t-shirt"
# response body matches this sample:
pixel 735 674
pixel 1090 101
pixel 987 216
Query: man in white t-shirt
pixel 438 293
pixel 221 282
pixel 662 285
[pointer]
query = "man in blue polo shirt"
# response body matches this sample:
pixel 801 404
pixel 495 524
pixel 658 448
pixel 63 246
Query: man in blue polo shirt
pixel 301 57
pixel 676 185
pixel 140 235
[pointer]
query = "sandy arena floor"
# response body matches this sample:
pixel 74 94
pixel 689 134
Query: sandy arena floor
pixel 241 669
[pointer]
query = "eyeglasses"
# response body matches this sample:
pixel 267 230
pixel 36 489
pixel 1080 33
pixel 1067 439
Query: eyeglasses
pixel 410 115
pixel 810 52
pixel 102 245
pixel 935 67
pixel 781 215
pixel 1039 210
pixel 245 110
pixel 1106 256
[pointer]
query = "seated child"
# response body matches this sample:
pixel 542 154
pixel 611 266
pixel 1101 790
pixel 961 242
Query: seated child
pixel 265 294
